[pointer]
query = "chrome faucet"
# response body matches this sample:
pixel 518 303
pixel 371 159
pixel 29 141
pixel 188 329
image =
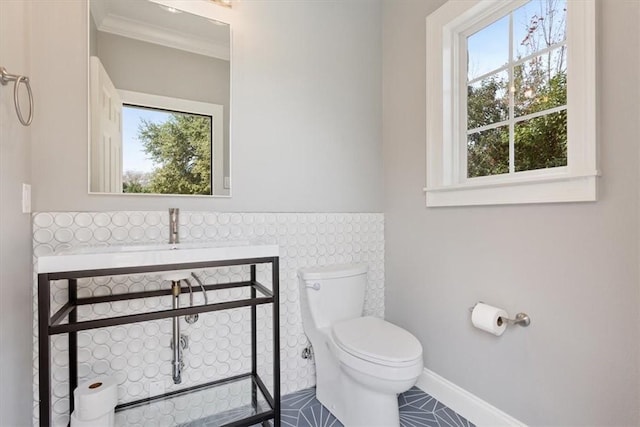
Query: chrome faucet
pixel 174 224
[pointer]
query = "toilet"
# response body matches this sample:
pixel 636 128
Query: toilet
pixel 362 362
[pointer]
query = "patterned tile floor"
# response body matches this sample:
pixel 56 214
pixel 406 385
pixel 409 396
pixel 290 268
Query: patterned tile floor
pixel 302 409
pixel 417 409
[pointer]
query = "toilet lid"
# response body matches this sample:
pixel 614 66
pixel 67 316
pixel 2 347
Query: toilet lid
pixel 376 340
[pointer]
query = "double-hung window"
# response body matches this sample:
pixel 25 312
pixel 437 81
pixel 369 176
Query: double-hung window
pixel 511 102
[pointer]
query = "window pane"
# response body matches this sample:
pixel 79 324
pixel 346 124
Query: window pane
pixel 488 152
pixel 488 101
pixel 541 142
pixel 488 49
pixel 165 152
pixel 541 82
pixel 538 25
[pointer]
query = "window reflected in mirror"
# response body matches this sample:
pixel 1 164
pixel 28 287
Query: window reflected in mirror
pixel 165 152
pixel 159 100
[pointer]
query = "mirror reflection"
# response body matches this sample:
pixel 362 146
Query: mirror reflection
pixel 159 89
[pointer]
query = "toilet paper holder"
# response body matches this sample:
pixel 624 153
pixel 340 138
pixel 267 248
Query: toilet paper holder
pixel 521 319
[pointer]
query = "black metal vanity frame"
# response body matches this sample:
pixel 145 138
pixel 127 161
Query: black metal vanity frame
pixel 49 325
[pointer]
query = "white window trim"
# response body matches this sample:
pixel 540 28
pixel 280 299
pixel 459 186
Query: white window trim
pixel 446 185
pixel 215 111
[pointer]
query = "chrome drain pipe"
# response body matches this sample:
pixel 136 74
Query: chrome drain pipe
pixel 190 318
pixel 204 291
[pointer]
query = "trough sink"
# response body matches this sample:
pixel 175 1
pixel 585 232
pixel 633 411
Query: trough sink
pixel 110 257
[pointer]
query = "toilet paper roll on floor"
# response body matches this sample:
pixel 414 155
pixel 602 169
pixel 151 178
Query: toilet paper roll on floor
pixel 94 399
pixel 489 318
pixel 106 420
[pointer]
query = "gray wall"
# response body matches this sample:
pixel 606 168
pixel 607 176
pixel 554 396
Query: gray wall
pixel 93 37
pixel 15 227
pixel 572 267
pixel 158 70
pixel 306 133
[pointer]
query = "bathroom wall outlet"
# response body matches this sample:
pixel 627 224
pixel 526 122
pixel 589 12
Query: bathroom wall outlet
pixel 26 198
pixel 156 388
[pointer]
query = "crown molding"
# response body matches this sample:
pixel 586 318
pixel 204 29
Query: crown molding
pixel 131 28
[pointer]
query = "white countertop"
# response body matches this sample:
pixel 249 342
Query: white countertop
pixel 109 257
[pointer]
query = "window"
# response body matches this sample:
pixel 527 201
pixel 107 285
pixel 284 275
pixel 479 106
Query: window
pixel 170 145
pixel 511 102
pixel 165 152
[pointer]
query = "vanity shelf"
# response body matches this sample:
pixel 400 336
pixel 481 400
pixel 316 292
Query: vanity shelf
pixel 250 404
pixel 260 407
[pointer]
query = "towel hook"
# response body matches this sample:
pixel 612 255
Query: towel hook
pixel 5 78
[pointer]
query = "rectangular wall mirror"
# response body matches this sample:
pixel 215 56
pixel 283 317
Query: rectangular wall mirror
pixel 159 100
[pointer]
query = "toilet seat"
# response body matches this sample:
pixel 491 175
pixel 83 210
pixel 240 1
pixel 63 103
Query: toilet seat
pixel 376 341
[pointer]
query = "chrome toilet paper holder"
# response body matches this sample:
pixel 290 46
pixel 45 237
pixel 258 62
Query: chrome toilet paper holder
pixel 521 319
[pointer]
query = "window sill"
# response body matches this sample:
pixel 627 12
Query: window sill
pixel 547 189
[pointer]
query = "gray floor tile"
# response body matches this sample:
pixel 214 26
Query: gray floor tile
pixel 402 400
pixel 302 409
pixel 415 397
pixel 317 416
pixel 447 417
pixel 300 399
pixel 414 417
pixel 289 417
pixel 417 409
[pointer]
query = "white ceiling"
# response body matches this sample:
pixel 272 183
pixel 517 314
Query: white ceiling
pixel 153 23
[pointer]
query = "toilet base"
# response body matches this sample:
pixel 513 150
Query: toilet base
pixel 367 407
pixel 353 403
pixel 356 398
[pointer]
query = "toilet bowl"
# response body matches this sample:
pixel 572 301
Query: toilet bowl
pixel 362 363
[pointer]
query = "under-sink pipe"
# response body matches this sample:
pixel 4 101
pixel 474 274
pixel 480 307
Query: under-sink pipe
pixel 204 292
pixel 176 339
pixel 190 318
pixel 177 350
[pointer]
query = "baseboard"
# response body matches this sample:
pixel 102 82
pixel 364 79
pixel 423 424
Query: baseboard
pixel 464 403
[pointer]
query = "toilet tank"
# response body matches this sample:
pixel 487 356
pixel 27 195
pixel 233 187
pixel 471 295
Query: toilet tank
pixel 332 293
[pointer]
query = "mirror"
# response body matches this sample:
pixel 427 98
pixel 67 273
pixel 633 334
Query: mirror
pixel 159 99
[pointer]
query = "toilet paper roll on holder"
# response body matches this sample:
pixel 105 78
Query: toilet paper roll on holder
pixel 521 319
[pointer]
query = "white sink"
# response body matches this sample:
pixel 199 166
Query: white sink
pixel 108 257
pixel 152 247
